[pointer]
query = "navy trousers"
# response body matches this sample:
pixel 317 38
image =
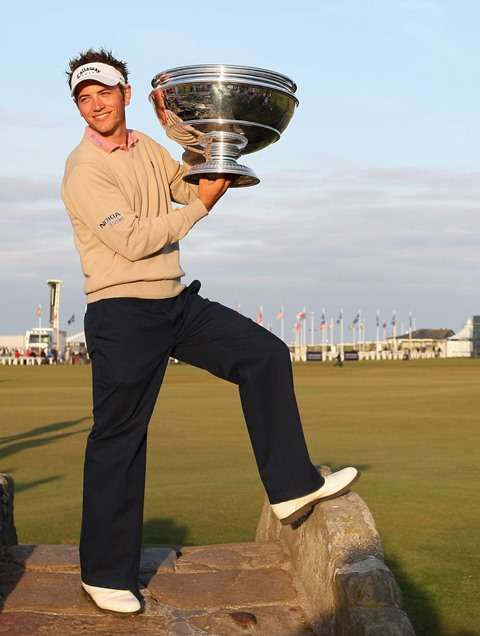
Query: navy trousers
pixel 129 341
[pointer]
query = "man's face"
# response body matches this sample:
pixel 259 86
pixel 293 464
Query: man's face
pixel 103 107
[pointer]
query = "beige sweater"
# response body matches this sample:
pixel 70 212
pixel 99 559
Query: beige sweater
pixel 126 230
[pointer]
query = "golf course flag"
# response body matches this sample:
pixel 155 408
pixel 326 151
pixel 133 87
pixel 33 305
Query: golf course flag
pixel 340 322
pixel 301 319
pixel 323 321
pixel 394 329
pixel 38 313
pixel 377 324
pixel 323 326
pixel 354 327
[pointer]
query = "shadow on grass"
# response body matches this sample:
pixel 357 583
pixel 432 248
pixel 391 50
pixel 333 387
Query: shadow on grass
pixel 160 531
pixel 16 447
pixel 22 486
pixel 41 430
pixel 417 603
pixel 8 471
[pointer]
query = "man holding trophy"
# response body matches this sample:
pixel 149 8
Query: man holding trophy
pixel 118 188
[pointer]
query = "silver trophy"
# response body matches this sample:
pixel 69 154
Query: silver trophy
pixel 222 111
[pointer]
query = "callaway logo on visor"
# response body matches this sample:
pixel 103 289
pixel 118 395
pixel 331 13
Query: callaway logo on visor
pixel 85 69
pixel 103 73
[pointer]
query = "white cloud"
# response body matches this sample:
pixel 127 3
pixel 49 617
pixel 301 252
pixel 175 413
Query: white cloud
pixel 368 234
pixel 25 119
pixel 29 191
pixel 405 237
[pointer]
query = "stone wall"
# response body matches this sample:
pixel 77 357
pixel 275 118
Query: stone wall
pixel 337 559
pixel 8 534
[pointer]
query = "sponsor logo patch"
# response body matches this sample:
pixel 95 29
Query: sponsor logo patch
pixel 111 219
pixel 87 69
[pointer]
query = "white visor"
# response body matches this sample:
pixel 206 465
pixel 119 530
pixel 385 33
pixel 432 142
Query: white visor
pixel 97 71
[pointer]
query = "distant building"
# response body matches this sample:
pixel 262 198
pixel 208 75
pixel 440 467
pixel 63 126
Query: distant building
pixel 16 341
pixel 424 341
pixel 77 341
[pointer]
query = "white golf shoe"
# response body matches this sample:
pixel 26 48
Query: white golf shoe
pixel 119 601
pixel 335 485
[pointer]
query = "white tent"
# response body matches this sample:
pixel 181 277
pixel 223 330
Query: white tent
pixel 460 344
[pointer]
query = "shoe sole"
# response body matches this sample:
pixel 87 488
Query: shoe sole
pixel 111 612
pixel 306 510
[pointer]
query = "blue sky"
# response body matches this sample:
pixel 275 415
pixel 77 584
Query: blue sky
pixel 369 200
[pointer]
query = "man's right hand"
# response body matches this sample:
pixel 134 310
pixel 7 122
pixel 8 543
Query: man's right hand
pixel 210 190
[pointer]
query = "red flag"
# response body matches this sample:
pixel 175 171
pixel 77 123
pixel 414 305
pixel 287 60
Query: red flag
pixel 38 311
pixel 301 315
pixel 280 315
pixel 297 326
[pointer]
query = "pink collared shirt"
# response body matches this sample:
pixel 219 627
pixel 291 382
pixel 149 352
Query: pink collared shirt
pixel 109 146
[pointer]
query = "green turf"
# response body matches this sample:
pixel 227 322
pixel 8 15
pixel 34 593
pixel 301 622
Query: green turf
pixel 412 427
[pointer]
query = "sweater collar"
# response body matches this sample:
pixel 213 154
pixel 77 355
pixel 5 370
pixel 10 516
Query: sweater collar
pixel 108 146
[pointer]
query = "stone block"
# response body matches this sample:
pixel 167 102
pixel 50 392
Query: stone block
pixel 44 557
pixel 366 583
pixel 376 621
pixel 351 530
pixel 235 556
pixel 43 624
pixel 276 620
pixel 232 588
pixel 46 592
pixel 8 533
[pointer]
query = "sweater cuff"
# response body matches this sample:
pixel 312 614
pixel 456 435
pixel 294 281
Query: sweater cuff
pixel 195 211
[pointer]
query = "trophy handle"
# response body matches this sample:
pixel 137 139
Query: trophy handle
pixel 221 148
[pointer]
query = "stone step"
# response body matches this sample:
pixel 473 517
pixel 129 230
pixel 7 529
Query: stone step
pixel 219 590
pixel 65 558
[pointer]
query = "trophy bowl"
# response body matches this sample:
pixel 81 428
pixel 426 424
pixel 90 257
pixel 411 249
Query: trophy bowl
pixel 222 111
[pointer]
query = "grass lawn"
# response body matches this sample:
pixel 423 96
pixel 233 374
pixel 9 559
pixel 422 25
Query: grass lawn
pixel 412 427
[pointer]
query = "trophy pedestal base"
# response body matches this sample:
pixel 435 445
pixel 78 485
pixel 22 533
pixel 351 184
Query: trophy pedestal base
pixel 242 176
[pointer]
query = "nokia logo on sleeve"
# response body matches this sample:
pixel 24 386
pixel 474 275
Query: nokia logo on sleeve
pixel 111 219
